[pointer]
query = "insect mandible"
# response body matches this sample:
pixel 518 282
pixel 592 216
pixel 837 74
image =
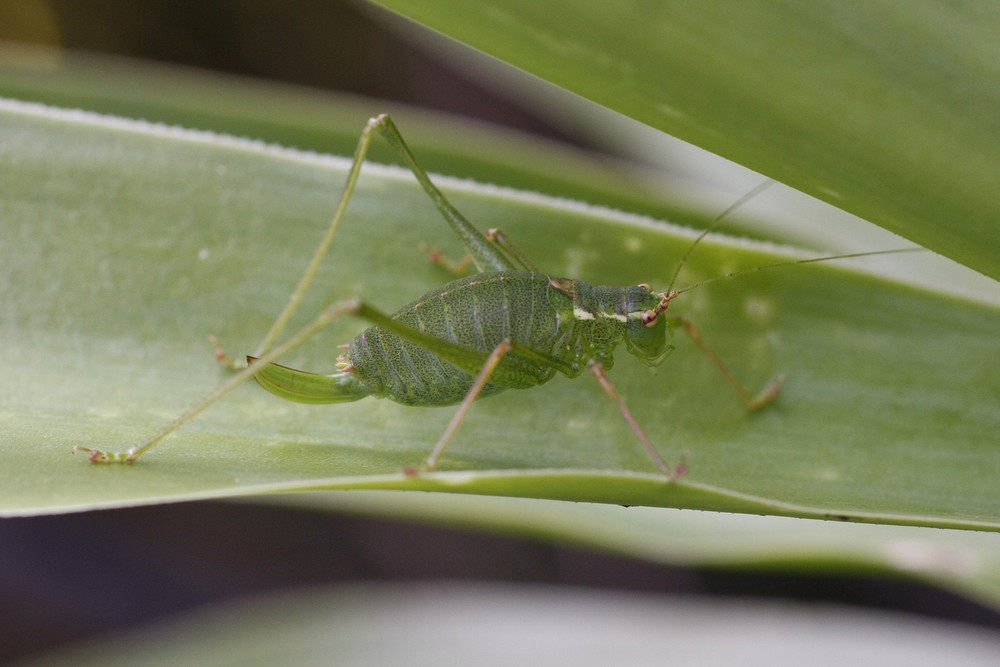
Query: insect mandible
pixel 508 326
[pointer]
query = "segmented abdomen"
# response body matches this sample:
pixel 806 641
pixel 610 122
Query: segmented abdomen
pixel 478 312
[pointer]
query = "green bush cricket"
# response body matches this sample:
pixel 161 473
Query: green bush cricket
pixel 508 326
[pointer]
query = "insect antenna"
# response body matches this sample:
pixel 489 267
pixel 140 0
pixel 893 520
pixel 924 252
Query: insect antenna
pixel 670 294
pixel 713 225
pixel 809 260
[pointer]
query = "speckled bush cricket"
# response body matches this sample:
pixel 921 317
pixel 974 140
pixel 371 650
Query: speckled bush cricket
pixel 508 326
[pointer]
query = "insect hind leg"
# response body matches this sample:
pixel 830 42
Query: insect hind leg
pixel 484 252
pixel 339 309
pixel 360 153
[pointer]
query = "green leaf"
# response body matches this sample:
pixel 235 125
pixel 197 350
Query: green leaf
pixel 887 110
pixel 126 244
pixel 323 121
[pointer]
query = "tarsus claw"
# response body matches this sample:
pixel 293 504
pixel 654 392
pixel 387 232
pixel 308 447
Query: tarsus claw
pixel 97 456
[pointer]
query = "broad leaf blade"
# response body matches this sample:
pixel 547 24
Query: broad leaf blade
pixel 326 122
pixel 125 245
pixel 887 110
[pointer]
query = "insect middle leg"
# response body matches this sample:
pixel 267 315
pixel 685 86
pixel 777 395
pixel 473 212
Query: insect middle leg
pixel 483 377
pixel 460 268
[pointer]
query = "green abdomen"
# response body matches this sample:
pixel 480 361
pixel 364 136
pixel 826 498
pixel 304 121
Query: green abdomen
pixel 478 312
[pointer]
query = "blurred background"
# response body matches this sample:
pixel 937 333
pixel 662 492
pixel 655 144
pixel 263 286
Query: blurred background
pixel 340 46
pixel 65 578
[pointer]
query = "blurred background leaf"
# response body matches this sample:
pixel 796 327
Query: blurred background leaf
pixel 421 624
pixel 886 110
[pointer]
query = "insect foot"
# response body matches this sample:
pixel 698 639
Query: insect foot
pixel 98 456
pixel 222 357
pixel 767 394
pixel 680 469
pixel 332 312
pixel 436 257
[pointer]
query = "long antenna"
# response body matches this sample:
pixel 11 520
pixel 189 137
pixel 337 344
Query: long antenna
pixel 714 224
pixel 810 260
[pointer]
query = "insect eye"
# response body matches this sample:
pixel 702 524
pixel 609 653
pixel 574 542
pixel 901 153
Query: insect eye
pixel 646 286
pixel 649 317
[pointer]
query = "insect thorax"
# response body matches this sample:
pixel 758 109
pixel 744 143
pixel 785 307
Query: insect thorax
pixel 568 320
pixel 611 315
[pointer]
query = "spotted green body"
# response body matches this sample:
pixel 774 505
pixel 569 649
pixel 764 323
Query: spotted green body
pixel 509 326
pixel 568 320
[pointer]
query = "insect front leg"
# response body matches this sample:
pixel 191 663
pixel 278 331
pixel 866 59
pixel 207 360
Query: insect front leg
pixel 752 401
pixel 597 369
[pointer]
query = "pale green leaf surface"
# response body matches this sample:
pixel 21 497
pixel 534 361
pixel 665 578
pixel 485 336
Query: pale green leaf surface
pixel 323 121
pixel 125 246
pixel 665 178
pixel 887 110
